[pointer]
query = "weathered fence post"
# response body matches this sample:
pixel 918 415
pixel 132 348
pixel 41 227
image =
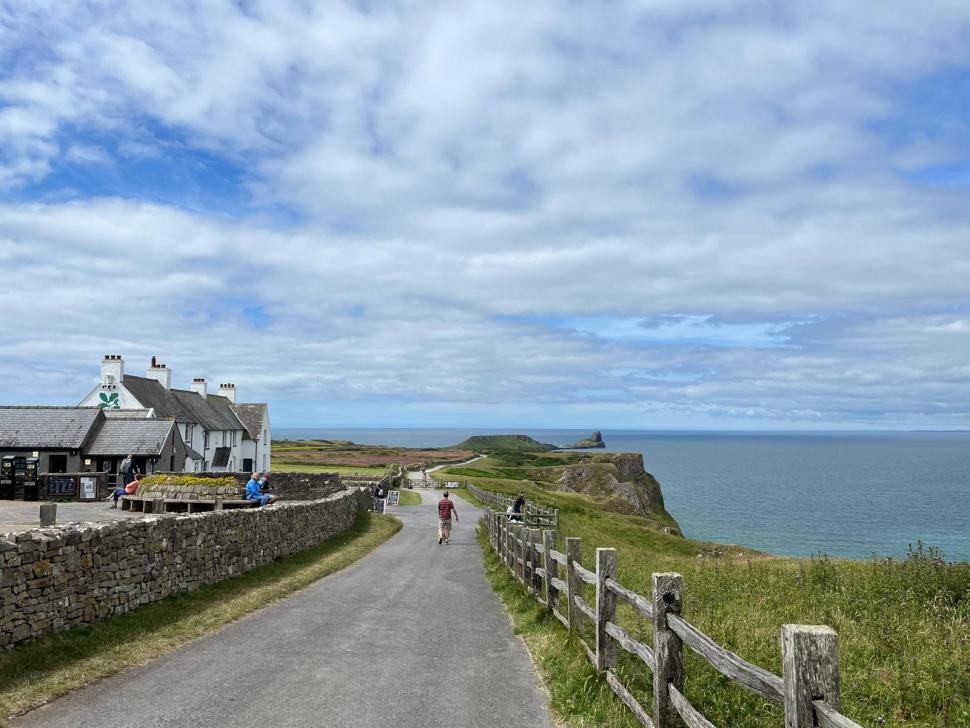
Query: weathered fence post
pixel 528 565
pixel 518 545
pixel 550 564
pixel 605 609
pixel 574 552
pixel 810 663
pixel 536 579
pixel 667 649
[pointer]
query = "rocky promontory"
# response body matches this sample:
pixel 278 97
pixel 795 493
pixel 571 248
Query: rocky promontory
pixel 621 480
pixel 593 441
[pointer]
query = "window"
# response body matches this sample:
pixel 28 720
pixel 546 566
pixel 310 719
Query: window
pixel 205 439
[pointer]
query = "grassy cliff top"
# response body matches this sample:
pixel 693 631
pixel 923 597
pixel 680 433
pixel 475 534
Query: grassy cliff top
pixel 512 443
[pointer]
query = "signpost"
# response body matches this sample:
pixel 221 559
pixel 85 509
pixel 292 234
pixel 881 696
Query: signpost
pixel 393 497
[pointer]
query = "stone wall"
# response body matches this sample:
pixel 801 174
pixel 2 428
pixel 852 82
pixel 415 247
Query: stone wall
pixel 290 486
pixel 56 578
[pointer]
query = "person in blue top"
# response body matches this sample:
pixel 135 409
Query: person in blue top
pixel 254 492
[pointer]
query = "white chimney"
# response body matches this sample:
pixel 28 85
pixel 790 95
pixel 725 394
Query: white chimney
pixel 228 391
pixel 160 373
pixel 112 370
pixel 200 387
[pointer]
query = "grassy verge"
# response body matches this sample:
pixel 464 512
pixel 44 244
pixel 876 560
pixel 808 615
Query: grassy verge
pixel 409 498
pixel 903 625
pixel 40 671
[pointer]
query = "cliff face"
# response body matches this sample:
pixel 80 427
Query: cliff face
pixel 621 479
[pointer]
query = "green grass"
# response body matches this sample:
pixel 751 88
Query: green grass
pixel 409 498
pixel 37 672
pixel 903 625
pixel 292 467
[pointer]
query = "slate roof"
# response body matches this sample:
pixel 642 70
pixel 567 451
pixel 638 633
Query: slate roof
pixel 126 414
pixel 252 415
pixel 182 405
pixel 138 437
pixel 192 454
pixel 223 407
pixel 221 457
pixel 63 428
pixel 151 394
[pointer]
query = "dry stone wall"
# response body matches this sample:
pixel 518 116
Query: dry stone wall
pixel 56 578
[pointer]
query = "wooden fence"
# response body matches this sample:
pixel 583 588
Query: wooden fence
pixel 533 515
pixel 809 689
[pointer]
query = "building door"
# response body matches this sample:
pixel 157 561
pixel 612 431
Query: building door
pixel 57 463
pixel 109 467
pixel 247 465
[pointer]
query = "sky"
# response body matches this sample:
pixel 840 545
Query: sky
pixel 628 214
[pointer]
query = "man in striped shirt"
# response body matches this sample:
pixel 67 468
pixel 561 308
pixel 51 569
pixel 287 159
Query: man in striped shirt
pixel 445 511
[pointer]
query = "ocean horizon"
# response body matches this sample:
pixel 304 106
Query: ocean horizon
pixel 848 494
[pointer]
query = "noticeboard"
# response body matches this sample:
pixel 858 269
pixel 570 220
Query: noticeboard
pixel 393 498
pixel 60 485
pixel 89 487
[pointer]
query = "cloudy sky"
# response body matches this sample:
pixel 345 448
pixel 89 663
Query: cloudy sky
pixel 653 213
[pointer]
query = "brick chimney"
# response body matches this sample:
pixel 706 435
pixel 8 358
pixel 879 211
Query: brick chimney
pixel 200 387
pixel 228 391
pixel 160 373
pixel 112 370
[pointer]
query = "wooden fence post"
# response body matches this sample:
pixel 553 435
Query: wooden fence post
pixel 574 552
pixel 550 564
pixel 810 662
pixel 537 581
pixel 605 609
pixel 519 545
pixel 528 565
pixel 667 649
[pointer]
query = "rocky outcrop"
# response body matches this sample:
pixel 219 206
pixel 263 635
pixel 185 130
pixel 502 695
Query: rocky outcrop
pixel 593 441
pixel 622 481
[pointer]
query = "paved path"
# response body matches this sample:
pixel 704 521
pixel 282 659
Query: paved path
pixel 410 636
pixel 23 515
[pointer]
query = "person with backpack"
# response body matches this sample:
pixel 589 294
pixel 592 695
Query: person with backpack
pixel 127 469
pixel 446 509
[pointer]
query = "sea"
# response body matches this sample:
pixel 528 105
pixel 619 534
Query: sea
pixel 853 495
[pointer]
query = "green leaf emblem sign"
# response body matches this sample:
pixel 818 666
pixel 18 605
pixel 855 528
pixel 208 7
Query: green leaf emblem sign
pixel 110 401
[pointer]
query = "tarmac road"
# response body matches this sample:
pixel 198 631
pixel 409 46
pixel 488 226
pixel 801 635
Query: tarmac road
pixel 411 636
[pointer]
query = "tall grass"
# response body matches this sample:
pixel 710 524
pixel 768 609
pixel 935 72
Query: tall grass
pixel 903 625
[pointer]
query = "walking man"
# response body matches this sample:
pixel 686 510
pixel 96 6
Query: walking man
pixel 445 510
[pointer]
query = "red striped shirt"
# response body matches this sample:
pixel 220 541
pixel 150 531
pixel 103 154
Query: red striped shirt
pixel 445 508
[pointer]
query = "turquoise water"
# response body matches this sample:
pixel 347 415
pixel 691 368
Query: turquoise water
pixel 845 494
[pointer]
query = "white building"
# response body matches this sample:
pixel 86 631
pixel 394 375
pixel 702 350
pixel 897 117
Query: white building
pixel 214 434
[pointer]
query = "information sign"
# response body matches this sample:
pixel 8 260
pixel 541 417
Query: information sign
pixel 393 498
pixel 89 487
pixel 60 485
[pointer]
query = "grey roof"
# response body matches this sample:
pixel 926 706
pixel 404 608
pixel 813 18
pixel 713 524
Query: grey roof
pixel 183 405
pixel 138 437
pixel 220 458
pixel 29 428
pixel 252 415
pixel 223 406
pixel 192 453
pixel 151 394
pixel 126 414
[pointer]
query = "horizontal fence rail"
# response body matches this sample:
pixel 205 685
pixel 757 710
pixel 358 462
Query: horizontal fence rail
pixel 809 689
pixel 532 515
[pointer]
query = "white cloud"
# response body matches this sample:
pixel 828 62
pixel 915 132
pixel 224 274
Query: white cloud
pixel 462 177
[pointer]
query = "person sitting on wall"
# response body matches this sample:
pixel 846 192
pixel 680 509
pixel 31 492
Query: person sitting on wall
pixel 129 489
pixel 254 492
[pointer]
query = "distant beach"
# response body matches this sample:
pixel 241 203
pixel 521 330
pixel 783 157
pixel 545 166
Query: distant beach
pixel 845 494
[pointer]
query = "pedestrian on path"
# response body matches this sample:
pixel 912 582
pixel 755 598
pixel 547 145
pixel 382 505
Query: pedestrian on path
pixel 445 510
